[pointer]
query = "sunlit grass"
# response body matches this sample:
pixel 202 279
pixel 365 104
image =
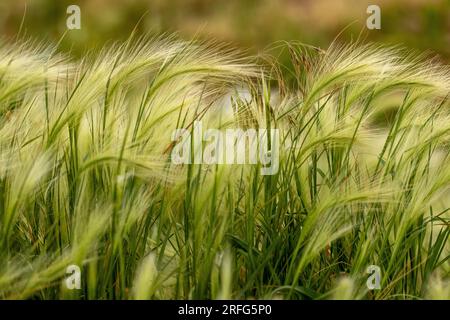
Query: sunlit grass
pixel 86 176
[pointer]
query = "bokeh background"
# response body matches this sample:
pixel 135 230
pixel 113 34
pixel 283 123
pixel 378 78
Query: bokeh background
pixel 249 24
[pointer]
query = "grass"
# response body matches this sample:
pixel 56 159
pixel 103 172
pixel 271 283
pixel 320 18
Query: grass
pixel 86 176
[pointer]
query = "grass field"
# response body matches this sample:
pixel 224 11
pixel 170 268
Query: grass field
pixel 86 176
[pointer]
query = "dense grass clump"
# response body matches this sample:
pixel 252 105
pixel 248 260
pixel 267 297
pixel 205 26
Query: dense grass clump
pixel 86 176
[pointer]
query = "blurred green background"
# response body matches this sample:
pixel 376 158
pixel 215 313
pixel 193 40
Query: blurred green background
pixel 249 24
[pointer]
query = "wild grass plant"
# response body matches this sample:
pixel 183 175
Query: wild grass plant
pixel 86 176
